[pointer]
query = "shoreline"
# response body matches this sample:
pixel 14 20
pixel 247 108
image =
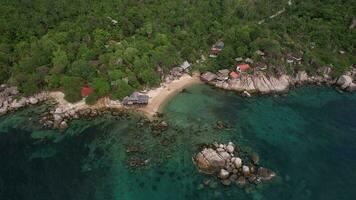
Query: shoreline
pixel 59 116
pixel 64 111
pixel 158 97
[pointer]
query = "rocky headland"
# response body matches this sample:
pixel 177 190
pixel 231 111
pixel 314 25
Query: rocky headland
pixel 59 115
pixel 11 100
pixel 264 83
pixel 232 165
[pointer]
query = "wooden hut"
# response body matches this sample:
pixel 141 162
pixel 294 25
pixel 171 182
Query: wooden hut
pixel 136 99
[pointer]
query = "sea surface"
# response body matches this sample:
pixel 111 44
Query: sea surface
pixel 307 136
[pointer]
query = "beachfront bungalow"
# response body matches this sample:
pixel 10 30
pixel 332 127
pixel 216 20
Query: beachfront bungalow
pixel 289 59
pixel 242 67
pixel 185 65
pixel 234 75
pixel 216 49
pixel 294 58
pixel 176 71
pixel 136 99
pixel 86 91
pixel 208 76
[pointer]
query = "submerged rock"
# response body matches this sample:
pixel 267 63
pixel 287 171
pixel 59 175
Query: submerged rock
pixel 226 182
pixel 255 158
pixel 241 181
pixel 265 174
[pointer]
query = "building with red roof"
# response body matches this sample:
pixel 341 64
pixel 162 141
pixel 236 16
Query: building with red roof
pixel 86 91
pixel 215 51
pixel 242 67
pixel 234 75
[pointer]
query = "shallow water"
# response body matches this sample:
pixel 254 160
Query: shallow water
pixel 308 137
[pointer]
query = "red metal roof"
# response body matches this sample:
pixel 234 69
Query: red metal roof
pixel 234 75
pixel 86 91
pixel 243 67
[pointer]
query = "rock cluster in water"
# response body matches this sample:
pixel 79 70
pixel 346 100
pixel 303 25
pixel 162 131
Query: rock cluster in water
pixel 11 100
pixel 59 117
pixel 232 166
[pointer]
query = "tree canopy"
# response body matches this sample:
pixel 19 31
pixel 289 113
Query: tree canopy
pixel 116 45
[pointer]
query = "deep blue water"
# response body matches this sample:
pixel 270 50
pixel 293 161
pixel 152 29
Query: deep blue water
pixel 307 136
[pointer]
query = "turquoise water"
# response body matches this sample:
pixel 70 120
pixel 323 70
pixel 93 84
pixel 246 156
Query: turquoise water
pixel 307 136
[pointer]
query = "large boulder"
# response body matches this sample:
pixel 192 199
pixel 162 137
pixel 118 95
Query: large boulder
pixel 224 174
pixel 18 103
pixel 33 100
pixel 344 81
pixel 237 162
pixel 209 161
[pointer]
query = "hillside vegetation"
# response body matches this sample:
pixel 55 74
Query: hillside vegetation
pixel 115 46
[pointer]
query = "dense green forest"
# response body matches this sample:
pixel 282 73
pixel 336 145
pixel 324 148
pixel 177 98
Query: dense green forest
pixel 115 46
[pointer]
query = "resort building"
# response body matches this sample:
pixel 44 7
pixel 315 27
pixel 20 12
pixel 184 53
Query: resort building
pixel 242 67
pixel 136 99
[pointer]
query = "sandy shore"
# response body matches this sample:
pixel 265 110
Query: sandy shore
pixel 157 98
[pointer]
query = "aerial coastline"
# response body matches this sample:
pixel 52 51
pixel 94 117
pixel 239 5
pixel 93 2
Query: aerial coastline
pixel 64 111
pixel 178 99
